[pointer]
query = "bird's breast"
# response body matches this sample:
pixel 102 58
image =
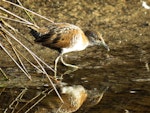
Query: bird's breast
pixel 78 43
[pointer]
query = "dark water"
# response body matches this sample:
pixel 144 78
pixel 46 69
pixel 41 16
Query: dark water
pixel 125 69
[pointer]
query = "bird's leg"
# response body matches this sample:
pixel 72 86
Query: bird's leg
pixel 56 61
pixel 69 65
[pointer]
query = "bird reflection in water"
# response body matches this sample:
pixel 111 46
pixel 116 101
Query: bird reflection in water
pixel 74 97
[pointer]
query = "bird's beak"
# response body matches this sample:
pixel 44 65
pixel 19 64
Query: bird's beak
pixel 105 45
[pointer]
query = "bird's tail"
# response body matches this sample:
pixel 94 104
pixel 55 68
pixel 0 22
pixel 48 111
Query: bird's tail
pixel 40 34
pixel 34 32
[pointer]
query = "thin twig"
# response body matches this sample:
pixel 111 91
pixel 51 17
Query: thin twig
pixel 27 22
pixel 29 61
pixel 15 52
pixel 15 61
pixel 26 12
pixel 54 87
pixel 8 33
pixel 13 58
pixel 15 31
pixel 22 22
pixel 52 84
pixel 4 74
pixel 29 11
pixel 34 56
pixel 12 36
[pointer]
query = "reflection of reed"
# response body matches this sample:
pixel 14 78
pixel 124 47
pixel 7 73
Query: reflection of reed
pixel 16 100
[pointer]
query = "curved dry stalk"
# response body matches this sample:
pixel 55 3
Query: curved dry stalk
pixel 32 64
pixel 23 68
pixel 17 51
pixel 29 11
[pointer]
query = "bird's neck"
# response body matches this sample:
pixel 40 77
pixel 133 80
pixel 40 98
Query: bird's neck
pixel 91 41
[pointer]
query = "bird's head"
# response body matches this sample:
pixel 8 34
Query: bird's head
pixel 96 38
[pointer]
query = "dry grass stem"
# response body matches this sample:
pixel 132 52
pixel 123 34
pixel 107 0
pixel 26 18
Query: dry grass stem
pixel 14 20
pixel 15 30
pixel 28 102
pixel 4 74
pixel 29 62
pixel 15 61
pixel 27 22
pixel 18 57
pixel 39 61
pixel 28 11
pixel 35 56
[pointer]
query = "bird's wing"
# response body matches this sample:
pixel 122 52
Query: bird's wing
pixel 62 39
pixel 57 35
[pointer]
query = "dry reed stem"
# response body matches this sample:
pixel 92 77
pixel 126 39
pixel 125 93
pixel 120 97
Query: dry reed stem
pixel 14 20
pixel 26 12
pixel 30 62
pixel 34 56
pixel 18 57
pixel 29 11
pixel 4 74
pixel 14 61
pixel 27 22
pixel 22 69
pixel 15 30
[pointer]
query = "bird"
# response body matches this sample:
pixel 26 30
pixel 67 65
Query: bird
pixel 65 38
